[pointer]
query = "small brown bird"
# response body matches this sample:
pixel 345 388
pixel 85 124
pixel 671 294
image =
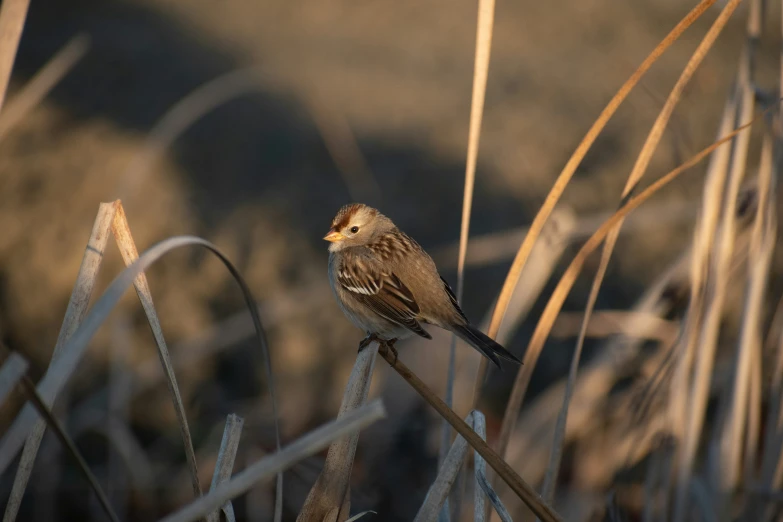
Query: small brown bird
pixel 387 285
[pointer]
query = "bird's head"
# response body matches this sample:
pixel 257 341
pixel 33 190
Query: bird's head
pixel 356 225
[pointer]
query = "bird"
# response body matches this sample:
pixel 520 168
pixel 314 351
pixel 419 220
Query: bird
pixel 389 287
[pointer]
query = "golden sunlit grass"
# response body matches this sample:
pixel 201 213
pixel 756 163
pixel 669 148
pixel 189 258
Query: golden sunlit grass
pixel 699 463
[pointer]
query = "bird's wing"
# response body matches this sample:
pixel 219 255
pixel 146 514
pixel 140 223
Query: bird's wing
pixel 382 291
pixel 453 299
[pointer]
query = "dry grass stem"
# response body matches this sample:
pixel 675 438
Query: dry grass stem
pixel 271 465
pixel 714 298
pixel 12 370
pixel 568 171
pixel 605 323
pixel 642 162
pixel 483 487
pixel 12 17
pixel 73 349
pixel 447 474
pixel 503 470
pixel 74 314
pixel 42 83
pixel 127 247
pixel 46 413
pixel 528 446
pixel 498 247
pixel 329 499
pixel 225 465
pixel 565 284
pixel 484 26
pixel 740 421
pixel 535 275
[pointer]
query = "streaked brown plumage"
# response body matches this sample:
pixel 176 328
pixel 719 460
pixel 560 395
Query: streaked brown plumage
pixel 388 286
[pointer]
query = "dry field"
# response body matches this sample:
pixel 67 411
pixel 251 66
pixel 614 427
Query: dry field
pixel 249 124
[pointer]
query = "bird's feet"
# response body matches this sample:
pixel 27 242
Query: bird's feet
pixel 389 345
pixel 382 344
pixel 367 340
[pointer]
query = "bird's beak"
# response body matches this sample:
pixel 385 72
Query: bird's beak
pixel 333 236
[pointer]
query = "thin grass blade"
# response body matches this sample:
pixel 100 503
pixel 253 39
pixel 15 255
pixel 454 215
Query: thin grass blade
pixel 642 162
pixel 329 498
pixel 568 171
pixel 74 313
pixel 73 349
pixel 225 464
pixel 12 17
pixel 14 367
pixel 127 246
pixel 274 464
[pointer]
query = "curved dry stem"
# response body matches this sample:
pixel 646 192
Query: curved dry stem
pixel 521 488
pixel 565 284
pixel 273 464
pixel 484 26
pixel 568 171
pixel 639 168
pixel 73 349
pixel 12 16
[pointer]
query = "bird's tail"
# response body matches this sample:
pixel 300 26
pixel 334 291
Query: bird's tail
pixel 481 342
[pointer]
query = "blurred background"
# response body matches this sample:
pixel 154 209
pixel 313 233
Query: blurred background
pixel 335 101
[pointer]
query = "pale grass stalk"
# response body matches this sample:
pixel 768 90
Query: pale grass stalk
pixel 716 291
pixel 772 460
pixel 119 392
pixel 216 338
pixel 225 465
pixel 761 249
pixel 28 387
pixel 14 367
pixel 74 314
pixel 329 498
pixel 450 470
pixel 42 83
pixel 568 279
pixel 639 168
pixel 73 349
pixel 127 247
pixel 484 27
pixel 771 473
pixel 434 505
pixel 753 436
pixel 605 323
pixel 552 198
pixel 276 463
pixel 497 247
pixel 704 234
pixel 543 260
pixel 483 487
pixel 528 446
pixel 12 17
pixel 521 488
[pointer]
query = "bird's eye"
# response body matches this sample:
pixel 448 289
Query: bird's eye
pixel 354 230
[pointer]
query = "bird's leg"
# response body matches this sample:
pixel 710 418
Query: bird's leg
pixel 367 340
pixel 389 345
